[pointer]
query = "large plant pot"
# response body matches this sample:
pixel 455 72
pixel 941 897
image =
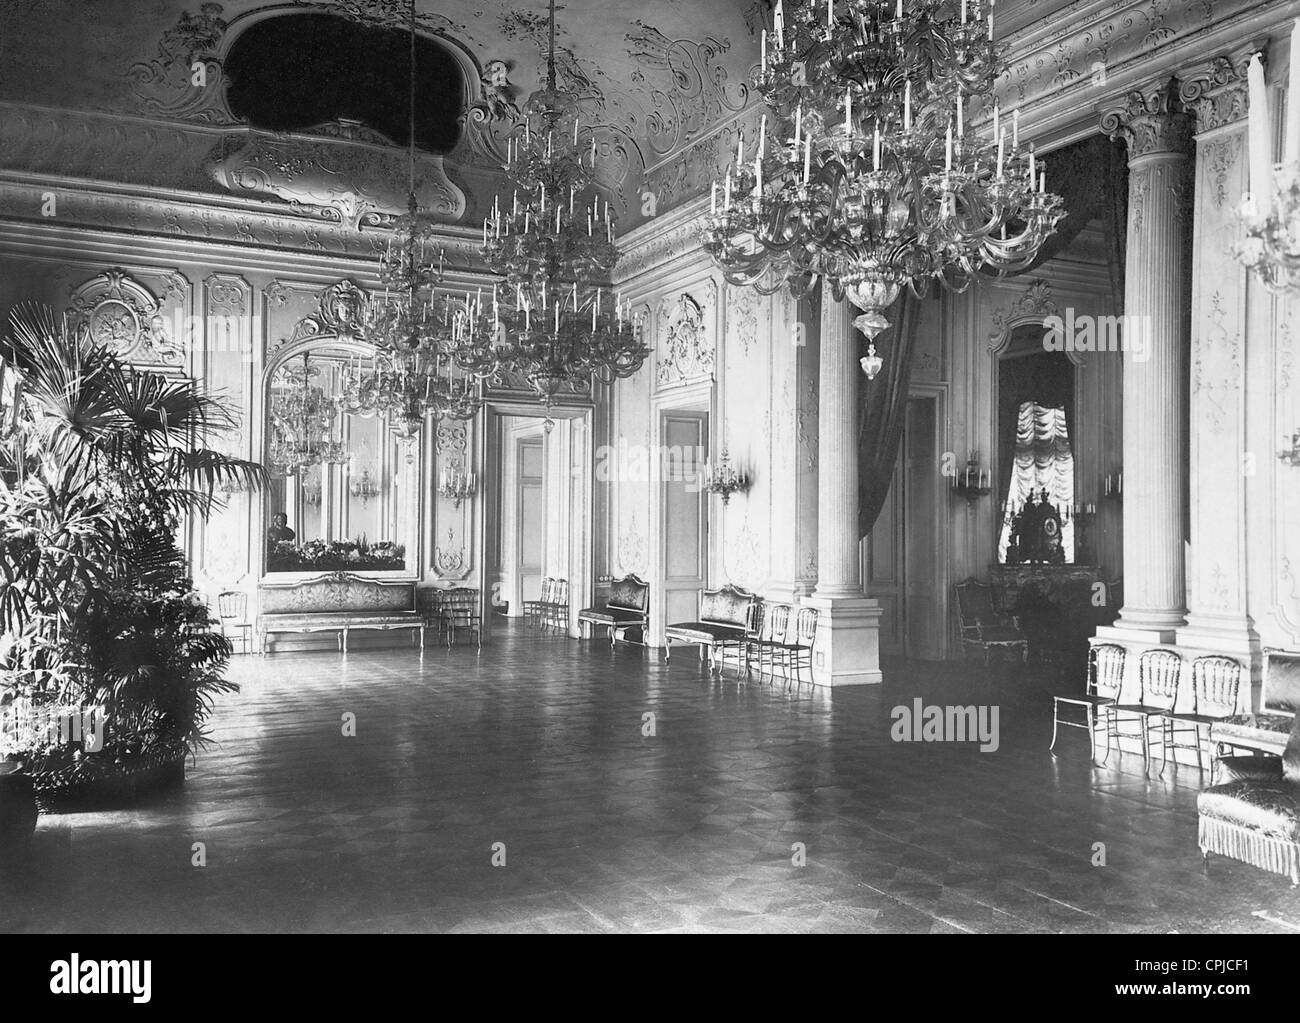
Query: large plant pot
pixel 97 784
pixel 17 810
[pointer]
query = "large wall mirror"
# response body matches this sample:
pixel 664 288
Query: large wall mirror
pixel 344 489
pixel 1035 427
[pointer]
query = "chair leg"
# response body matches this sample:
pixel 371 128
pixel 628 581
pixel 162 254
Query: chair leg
pixel 1056 717
pixel 1092 733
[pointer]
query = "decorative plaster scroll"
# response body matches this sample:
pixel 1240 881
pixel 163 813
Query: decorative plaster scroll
pixel 686 347
pixel 186 80
pixel 498 103
pixel 1219 158
pixel 1216 374
pixel 632 550
pixel 450 563
pixel 355 184
pixel 695 94
pixel 122 314
pixel 806 416
pixel 1034 305
pixel 744 556
pixel 742 316
pixel 452 439
pixel 338 315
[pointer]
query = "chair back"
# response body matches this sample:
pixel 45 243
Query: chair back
pixel 1281 681
pixel 1159 672
pixel 1215 681
pixel 1106 670
pixel 232 606
pixel 974 603
pixel 548 587
pixel 756 618
pixel 461 604
pixel 560 592
pixel 778 622
pixel 806 626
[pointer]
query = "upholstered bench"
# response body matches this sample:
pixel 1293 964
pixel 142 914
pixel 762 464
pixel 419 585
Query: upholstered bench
pixel 626 612
pixel 724 619
pixel 1268 731
pixel 336 602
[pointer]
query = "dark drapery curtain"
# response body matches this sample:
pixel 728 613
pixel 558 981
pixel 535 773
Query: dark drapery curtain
pixel 883 407
pixel 1091 177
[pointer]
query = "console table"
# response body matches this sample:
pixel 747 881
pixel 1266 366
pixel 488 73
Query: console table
pixel 1054 604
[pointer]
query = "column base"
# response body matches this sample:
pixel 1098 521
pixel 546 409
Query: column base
pixel 1139 626
pixel 847 652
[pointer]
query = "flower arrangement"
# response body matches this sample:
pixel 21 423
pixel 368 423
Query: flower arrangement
pixel 335 555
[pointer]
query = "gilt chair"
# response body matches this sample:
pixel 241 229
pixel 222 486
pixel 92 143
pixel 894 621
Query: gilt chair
pixel 1215 682
pixel 232 613
pixel 798 645
pixel 1105 678
pixel 1160 673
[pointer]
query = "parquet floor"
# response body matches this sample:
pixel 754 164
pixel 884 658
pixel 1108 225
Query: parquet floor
pixel 539 744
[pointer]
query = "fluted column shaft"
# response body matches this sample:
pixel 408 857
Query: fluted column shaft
pixel 839 567
pixel 847 649
pixel 1156 328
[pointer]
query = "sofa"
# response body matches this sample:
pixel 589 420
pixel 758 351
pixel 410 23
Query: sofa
pixel 336 602
pixel 1251 812
pixel 626 613
pixel 1267 731
pixel 724 619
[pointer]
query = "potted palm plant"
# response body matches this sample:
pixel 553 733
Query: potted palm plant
pixel 100 464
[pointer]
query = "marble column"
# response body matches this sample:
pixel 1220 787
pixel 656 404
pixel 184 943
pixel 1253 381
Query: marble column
pixel 1222 465
pixel 848 647
pixel 1158 132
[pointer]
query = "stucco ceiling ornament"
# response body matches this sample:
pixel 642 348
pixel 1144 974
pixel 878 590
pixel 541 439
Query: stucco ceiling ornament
pixel 185 79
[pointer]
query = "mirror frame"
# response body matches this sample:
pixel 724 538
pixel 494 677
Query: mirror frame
pixel 343 344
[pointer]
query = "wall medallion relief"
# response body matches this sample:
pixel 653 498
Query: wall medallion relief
pixel 122 314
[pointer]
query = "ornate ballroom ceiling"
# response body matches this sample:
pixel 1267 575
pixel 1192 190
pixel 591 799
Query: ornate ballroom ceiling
pixel 665 79
pixel 101 91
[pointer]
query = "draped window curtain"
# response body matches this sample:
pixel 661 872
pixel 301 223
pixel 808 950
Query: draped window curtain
pixel 1091 176
pixel 1043 461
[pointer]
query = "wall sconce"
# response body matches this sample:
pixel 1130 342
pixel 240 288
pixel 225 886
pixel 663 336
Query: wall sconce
pixel 363 487
pixel 1291 456
pixel 725 480
pixel 457 484
pixel 973 482
pixel 1113 485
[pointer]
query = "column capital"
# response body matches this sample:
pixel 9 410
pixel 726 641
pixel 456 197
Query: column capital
pixel 1152 120
pixel 1214 90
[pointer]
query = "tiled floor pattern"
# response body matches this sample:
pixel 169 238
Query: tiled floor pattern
pixel 538 743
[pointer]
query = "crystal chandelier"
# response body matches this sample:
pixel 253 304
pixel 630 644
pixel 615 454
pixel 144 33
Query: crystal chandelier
pixel 552 321
pixel 419 368
pixel 864 173
pixel 302 419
